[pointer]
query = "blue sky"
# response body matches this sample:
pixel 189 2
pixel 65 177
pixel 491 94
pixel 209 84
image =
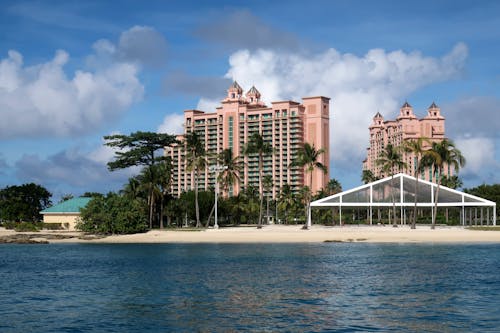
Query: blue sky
pixel 72 72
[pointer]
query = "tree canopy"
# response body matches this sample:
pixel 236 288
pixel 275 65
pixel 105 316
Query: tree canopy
pixel 138 148
pixel 24 202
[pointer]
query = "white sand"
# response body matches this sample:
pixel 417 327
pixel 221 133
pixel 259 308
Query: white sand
pixel 294 234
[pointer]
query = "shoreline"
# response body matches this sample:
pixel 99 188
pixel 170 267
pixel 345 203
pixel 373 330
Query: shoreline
pixel 275 234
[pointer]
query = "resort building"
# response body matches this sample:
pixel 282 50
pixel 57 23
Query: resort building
pixel 285 125
pixel 65 214
pixel 406 127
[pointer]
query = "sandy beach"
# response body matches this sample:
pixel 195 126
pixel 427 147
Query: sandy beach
pixel 287 234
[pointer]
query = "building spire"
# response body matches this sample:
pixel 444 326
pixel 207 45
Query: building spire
pixel 234 92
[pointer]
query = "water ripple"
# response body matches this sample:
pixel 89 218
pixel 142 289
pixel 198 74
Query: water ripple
pixel 254 288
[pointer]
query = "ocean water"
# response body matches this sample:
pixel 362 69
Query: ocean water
pixel 330 287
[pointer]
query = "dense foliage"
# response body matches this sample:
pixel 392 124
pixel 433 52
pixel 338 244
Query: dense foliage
pixel 488 192
pixel 23 203
pixel 113 214
pixel 144 149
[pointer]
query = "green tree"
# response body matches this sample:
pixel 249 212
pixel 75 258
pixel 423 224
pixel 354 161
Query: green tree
pixel 66 197
pixel 308 158
pixel 391 161
pixel 452 182
pixel 196 161
pixel 164 183
pixel 257 146
pixel 267 183
pixel 489 192
pixel 367 176
pixel 443 153
pixel 286 200
pixel 24 202
pixel 139 149
pixel 416 147
pixel 113 214
pixel 231 175
pixel 333 187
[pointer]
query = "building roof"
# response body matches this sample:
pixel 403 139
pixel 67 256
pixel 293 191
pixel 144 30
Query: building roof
pixel 406 105
pixel 69 206
pixel 378 115
pixel 433 106
pixel 254 91
pixel 378 194
pixel 236 86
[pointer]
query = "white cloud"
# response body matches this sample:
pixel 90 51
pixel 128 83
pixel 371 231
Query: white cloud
pixel 208 104
pixel 43 100
pixel 172 124
pixel 479 153
pixel 358 86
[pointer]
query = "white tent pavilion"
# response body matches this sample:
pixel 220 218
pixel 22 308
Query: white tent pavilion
pixel 378 195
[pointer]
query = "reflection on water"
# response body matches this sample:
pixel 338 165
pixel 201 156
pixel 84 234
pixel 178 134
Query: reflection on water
pixel 250 287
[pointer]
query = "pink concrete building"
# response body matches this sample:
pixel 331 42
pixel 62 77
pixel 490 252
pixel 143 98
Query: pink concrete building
pixel 406 127
pixel 286 125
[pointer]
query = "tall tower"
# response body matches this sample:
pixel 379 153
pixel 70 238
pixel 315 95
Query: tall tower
pixel 317 133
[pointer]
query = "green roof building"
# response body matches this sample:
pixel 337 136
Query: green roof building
pixel 65 213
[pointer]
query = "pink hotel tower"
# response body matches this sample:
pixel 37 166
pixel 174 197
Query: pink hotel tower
pixel 286 125
pixel 406 127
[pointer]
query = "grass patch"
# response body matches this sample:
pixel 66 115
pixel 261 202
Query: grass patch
pixel 485 228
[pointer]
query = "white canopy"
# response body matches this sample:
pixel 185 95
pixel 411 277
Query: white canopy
pixel 402 187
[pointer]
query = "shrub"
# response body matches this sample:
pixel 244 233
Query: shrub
pixel 113 214
pixel 27 226
pixel 52 226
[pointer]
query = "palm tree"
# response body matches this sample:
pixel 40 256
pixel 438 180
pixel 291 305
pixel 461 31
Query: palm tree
pixel 308 158
pixel 390 159
pixel 196 161
pixel 417 148
pixel 333 187
pixel 367 177
pixel 267 183
pixel 231 174
pixel 257 146
pixel 286 200
pixel 148 180
pixel 164 182
pixel 443 153
pixel 452 182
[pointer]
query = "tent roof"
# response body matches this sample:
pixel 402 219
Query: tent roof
pixel 402 187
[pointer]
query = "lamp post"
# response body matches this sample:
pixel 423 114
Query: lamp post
pixel 216 169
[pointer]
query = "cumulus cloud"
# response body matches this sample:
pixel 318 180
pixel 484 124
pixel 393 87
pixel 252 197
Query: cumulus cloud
pixel 172 124
pixel 73 169
pixel 473 116
pixel 482 164
pixel 358 85
pixel 207 104
pixel 242 29
pixel 42 100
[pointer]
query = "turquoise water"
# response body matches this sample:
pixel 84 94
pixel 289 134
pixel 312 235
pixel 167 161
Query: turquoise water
pixel 331 287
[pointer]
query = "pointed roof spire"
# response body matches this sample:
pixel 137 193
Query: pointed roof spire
pixel 253 91
pixel 433 106
pixel 378 115
pixel 236 86
pixel 406 105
